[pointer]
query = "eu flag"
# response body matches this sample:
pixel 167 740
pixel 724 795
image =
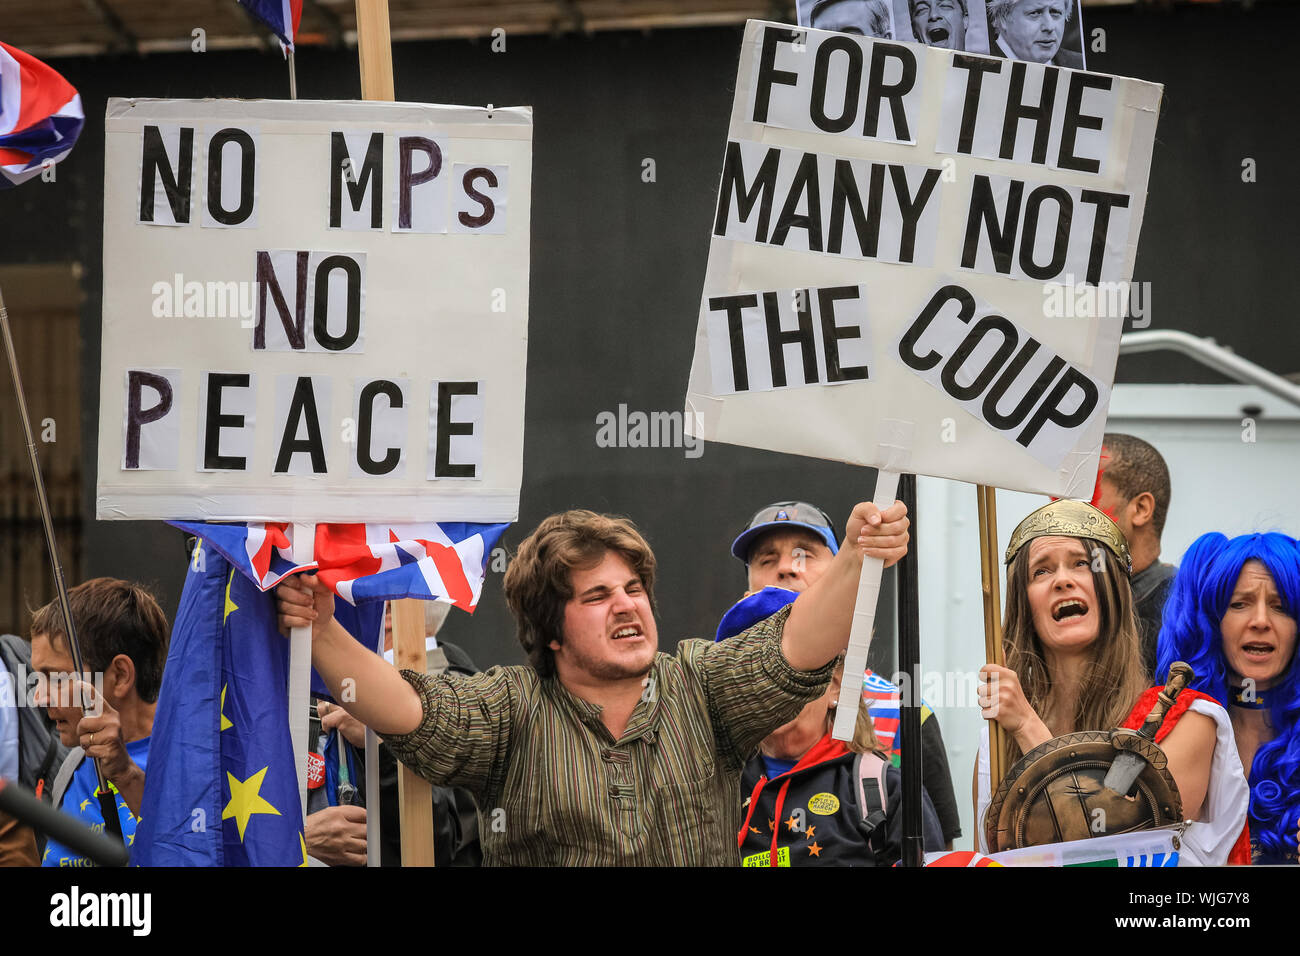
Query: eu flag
pixel 221 788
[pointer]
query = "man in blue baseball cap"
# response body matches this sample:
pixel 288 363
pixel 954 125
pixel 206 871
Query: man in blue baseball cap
pixel 789 545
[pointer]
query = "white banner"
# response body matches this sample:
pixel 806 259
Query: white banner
pixel 1141 848
pixel 901 236
pixel 314 311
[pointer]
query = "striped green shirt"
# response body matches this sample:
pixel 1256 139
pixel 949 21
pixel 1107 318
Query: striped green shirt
pixel 556 789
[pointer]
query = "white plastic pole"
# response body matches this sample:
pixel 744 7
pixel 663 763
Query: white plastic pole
pixel 304 545
pixel 372 798
pixel 864 619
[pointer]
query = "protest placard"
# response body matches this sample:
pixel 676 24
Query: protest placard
pixel 313 311
pixel 896 229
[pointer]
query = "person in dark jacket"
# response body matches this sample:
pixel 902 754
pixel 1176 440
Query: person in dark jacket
pixel 1134 490
pixel 336 821
pixel 789 544
pixel 813 800
pixel 30 750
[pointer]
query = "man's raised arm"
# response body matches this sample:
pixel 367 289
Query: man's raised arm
pixel 378 695
pixel 818 627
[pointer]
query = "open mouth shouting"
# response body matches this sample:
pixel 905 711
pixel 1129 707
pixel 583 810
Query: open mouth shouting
pixel 1258 650
pixel 628 632
pixel 1068 608
pixel 937 35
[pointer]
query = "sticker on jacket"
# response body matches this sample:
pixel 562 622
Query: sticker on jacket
pixel 824 804
pixel 765 858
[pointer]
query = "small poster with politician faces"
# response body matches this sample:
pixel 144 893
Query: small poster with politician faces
pixel 1039 31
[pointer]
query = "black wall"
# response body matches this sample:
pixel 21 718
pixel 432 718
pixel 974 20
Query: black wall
pixel 617 264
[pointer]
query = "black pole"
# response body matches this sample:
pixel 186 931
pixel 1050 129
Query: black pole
pixel 24 807
pixel 909 665
pixel 69 625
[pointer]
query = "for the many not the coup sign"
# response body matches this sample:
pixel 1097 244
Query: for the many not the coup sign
pixel 905 246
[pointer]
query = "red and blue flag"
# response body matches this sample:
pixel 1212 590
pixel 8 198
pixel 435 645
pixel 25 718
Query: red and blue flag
pixel 280 16
pixel 40 116
pixel 364 562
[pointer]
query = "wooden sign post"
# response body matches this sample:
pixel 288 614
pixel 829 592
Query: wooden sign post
pixel 990 572
pixel 414 794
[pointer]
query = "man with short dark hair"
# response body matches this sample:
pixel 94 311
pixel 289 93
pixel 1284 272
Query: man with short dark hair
pixel 123 636
pixel 603 751
pixel 1135 493
pixel 790 544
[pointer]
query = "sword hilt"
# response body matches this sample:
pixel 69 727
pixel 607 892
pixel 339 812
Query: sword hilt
pixel 1180 675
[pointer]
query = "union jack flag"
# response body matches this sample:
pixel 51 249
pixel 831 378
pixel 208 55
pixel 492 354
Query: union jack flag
pixel 364 562
pixel 280 16
pixel 40 116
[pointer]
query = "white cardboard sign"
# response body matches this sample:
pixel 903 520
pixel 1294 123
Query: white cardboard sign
pixel 314 311
pixel 896 229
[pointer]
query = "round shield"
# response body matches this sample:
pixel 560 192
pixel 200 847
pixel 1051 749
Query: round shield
pixel 1055 794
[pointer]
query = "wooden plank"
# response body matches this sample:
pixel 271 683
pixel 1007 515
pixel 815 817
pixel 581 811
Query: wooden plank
pixel 375 50
pixel 414 793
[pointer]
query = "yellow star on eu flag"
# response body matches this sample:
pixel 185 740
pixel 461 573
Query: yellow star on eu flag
pixel 230 605
pixel 85 803
pixel 225 721
pixel 246 801
pixel 302 842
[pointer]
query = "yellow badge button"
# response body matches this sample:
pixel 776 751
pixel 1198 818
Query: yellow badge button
pixel 824 804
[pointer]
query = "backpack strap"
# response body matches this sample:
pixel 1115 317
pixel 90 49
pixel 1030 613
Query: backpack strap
pixel 869 772
pixel 42 772
pixel 64 777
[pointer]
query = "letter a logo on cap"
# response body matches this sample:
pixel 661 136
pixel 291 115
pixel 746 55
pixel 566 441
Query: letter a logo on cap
pixel 781 516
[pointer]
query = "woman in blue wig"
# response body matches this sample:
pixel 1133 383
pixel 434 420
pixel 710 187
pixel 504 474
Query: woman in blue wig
pixel 1232 616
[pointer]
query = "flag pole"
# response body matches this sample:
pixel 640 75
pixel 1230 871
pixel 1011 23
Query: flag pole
pixel 304 552
pixel 105 796
pixel 293 76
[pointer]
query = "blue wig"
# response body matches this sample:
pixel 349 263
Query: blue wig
pixel 1191 632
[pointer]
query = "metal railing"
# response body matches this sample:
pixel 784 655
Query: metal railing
pixel 1211 354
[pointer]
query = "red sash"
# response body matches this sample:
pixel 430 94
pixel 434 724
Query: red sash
pixel 1240 855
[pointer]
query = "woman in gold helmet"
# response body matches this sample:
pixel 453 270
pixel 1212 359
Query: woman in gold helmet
pixel 1072 653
